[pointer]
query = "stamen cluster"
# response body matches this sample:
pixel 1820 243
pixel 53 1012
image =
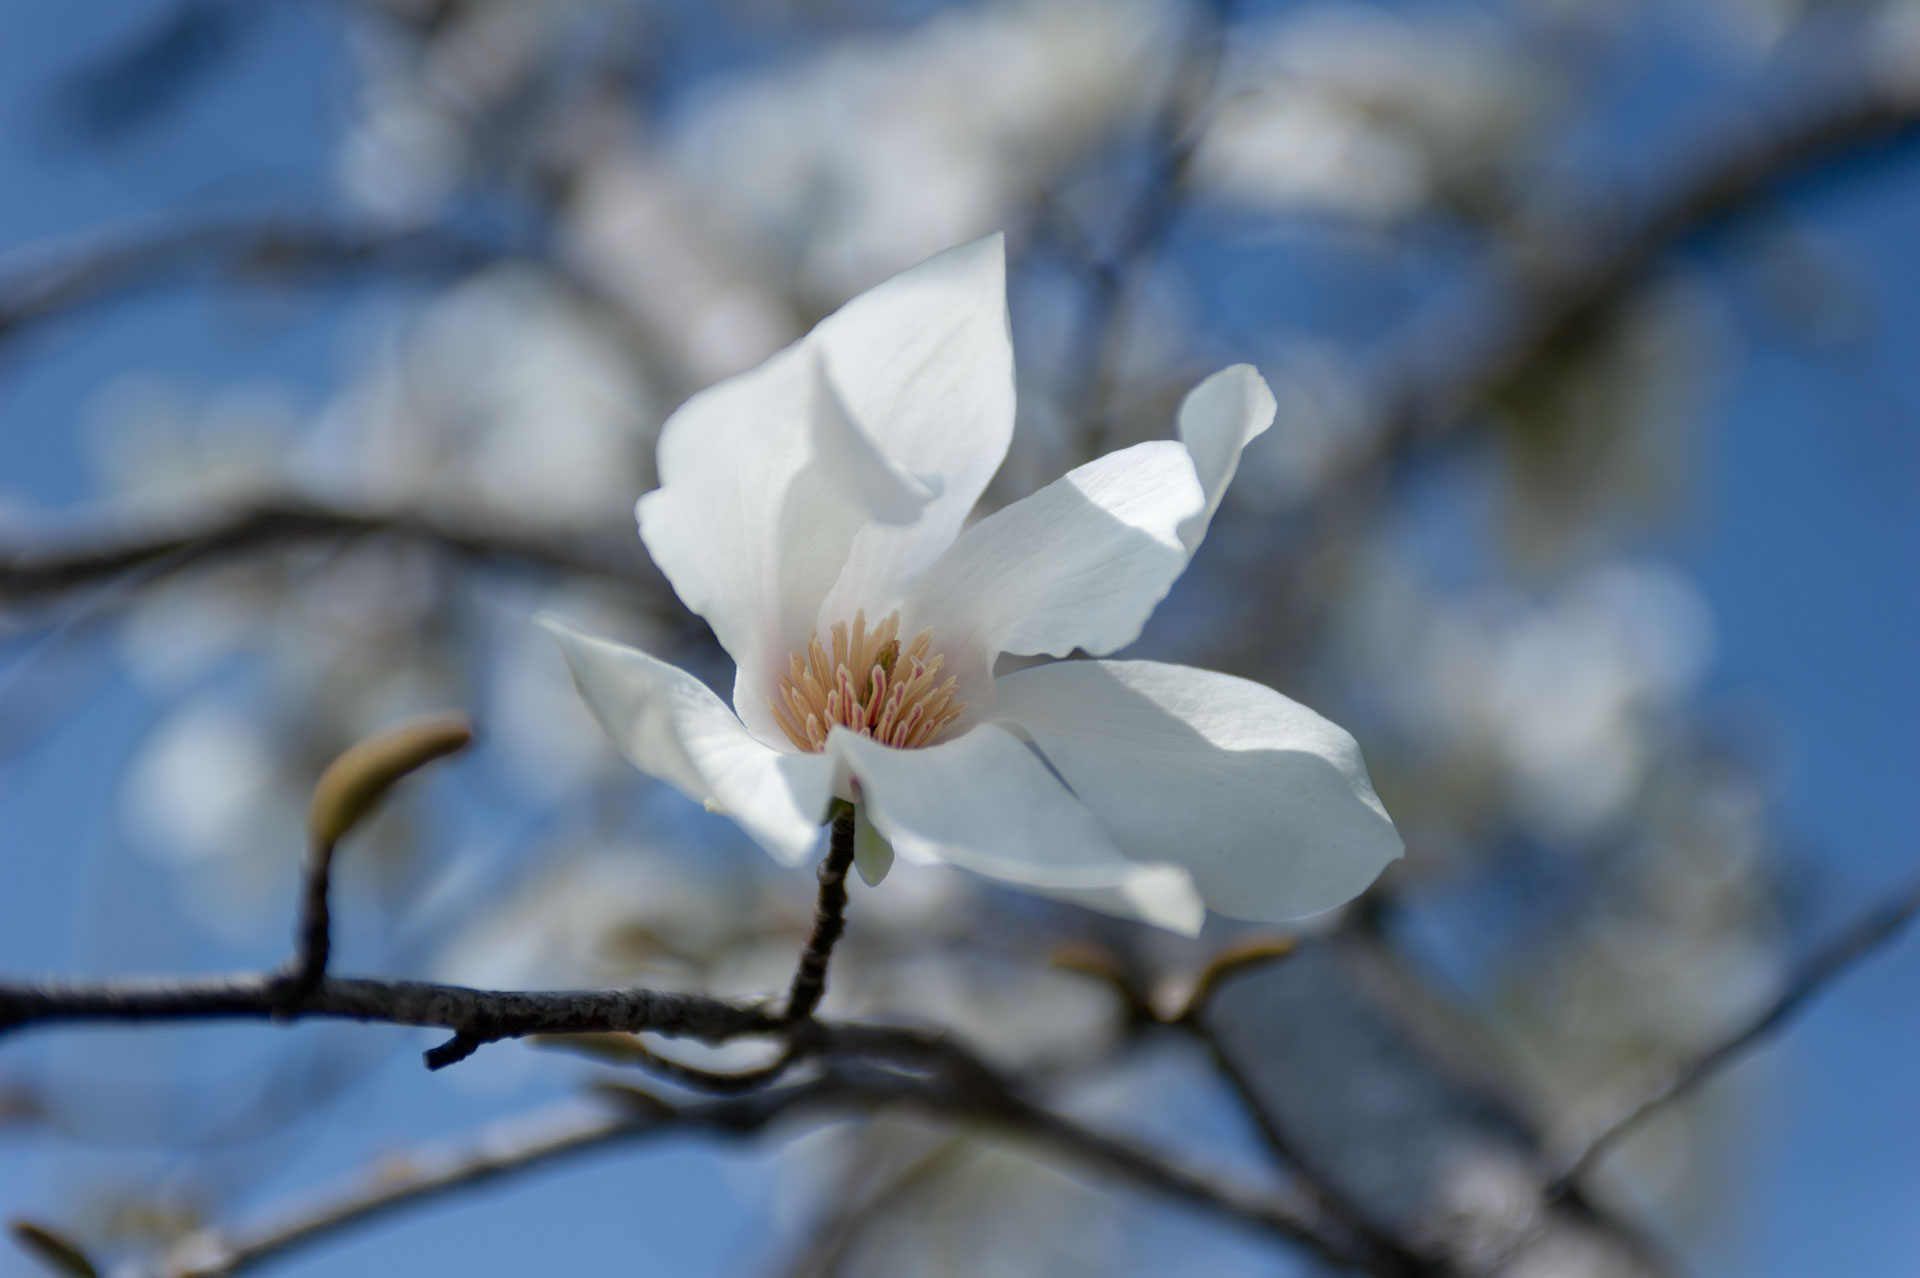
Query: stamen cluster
pixel 868 683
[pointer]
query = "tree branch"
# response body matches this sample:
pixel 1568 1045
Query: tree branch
pixel 1375 1087
pixel 941 1078
pixel 1178 127
pixel 33 572
pixel 505 1149
pixel 1579 268
pixel 868 1193
pixel 475 1016
pixel 1872 929
pixel 49 281
pixel 1539 300
pixel 45 282
pixel 1329 1198
pixel 479 1017
pixel 829 920
pixel 548 1136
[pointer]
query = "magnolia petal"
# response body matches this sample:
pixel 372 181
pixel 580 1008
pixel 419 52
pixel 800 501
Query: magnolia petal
pixel 765 480
pixel 736 475
pixel 671 726
pixel 1079 564
pixel 1267 804
pixel 985 802
pixel 1218 419
pixel 872 854
pixel 924 363
pixel 1083 562
pixel 854 464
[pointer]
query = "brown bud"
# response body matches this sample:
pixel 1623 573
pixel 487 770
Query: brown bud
pixel 362 775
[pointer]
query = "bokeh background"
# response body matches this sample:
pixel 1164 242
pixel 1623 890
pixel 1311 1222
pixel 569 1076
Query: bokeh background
pixel 1626 623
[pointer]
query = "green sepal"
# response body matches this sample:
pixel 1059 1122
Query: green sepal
pixel 872 854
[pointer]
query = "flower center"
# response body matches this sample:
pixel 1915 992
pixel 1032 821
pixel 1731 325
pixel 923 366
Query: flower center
pixel 868 683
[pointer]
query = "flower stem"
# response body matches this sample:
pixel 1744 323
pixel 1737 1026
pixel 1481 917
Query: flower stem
pixel 829 919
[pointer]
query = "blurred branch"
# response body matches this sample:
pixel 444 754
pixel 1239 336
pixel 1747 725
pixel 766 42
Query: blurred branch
pixel 46 281
pixel 1872 929
pixel 840 1229
pixel 1573 270
pixel 1329 1198
pixel 140 80
pixel 30 571
pixel 420 1175
pixel 1177 130
pixel 1384 1096
pixel 1557 283
pixel 54 1250
pixel 546 1137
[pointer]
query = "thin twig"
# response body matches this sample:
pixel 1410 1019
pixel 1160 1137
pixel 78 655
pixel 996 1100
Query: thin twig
pixel 1289 1216
pixel 350 787
pixel 867 1194
pixel 1868 932
pixel 505 1149
pixel 829 920
pixel 551 1135
pixel 313 931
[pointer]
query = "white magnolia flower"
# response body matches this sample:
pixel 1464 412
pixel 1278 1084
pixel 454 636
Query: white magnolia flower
pixel 811 510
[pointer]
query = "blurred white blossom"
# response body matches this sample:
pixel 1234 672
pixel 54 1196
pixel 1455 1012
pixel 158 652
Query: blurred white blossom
pixel 1567 697
pixel 633 225
pixel 205 785
pixel 421 126
pixel 1354 110
pixel 841 170
pixel 596 917
pixel 156 444
pixel 503 395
